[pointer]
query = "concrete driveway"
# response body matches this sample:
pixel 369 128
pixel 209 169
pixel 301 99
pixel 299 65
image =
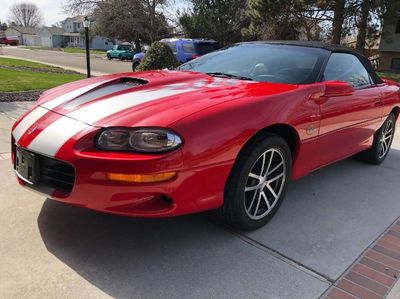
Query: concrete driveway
pixel 76 61
pixel 328 219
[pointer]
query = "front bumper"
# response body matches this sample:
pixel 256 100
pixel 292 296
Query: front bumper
pixel 192 190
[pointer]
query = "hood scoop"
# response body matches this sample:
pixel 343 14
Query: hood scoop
pixel 106 89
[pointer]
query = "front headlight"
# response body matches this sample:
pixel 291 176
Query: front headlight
pixel 153 140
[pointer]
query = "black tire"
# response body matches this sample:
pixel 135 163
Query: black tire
pixel 236 209
pixel 108 56
pixel 120 57
pixel 135 65
pixel 375 154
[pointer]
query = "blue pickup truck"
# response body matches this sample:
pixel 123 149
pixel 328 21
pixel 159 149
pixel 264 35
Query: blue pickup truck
pixel 184 49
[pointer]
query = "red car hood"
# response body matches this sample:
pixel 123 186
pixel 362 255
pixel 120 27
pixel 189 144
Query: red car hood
pixel 156 98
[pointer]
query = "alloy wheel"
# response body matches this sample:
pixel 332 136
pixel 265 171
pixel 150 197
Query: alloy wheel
pixel 265 184
pixel 386 139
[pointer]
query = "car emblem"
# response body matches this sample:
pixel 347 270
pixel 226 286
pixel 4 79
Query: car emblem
pixel 32 129
pixel 310 130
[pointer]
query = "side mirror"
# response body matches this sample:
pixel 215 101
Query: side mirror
pixel 338 89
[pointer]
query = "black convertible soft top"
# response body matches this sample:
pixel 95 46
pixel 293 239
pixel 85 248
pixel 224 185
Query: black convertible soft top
pixel 331 48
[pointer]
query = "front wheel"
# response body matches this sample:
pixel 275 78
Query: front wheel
pixel 121 57
pixel 382 142
pixel 257 183
pixel 108 56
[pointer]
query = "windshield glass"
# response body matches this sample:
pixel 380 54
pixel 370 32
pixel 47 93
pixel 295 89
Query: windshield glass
pixel 263 63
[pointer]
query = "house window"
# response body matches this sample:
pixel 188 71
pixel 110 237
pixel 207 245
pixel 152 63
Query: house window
pixel 395 64
pixel 398 26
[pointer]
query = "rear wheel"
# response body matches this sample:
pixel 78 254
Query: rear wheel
pixel 257 183
pixel 382 142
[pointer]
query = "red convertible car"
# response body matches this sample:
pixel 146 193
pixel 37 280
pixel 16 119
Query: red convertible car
pixel 226 131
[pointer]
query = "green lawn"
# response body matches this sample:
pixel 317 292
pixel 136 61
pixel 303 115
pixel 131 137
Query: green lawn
pixel 392 76
pixel 22 79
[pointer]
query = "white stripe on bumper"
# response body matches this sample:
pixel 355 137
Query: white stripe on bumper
pixel 50 140
pixel 28 121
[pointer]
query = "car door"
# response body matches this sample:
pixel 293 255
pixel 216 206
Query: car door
pixel 188 51
pixel 348 122
pixel 114 51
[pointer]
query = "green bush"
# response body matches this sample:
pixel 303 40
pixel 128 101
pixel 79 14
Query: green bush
pixel 159 56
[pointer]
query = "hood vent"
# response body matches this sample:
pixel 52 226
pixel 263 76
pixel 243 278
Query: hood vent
pixel 103 90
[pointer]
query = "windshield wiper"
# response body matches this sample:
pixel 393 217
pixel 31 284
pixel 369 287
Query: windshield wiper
pixel 225 75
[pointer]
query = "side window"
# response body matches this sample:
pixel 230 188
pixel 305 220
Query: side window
pixel 348 68
pixel 119 48
pixel 188 47
pixel 172 46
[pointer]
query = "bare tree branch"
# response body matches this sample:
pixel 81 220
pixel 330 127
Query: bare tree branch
pixel 25 14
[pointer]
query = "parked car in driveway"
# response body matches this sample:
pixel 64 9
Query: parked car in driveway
pixel 7 41
pixel 226 131
pixel 184 49
pixel 121 52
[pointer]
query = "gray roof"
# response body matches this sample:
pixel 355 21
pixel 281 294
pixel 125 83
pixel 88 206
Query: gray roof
pixel 25 30
pixel 54 30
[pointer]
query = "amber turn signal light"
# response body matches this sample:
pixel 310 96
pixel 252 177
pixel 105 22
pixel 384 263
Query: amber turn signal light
pixel 141 178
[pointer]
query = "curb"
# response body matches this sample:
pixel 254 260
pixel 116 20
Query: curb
pixel 374 273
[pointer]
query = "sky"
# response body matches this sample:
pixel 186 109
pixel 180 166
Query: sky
pixel 52 10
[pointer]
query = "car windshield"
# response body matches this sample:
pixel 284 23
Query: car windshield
pixel 262 62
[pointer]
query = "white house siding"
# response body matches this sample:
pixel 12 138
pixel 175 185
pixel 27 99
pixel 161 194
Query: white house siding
pixel 13 34
pixel 100 43
pixel 30 40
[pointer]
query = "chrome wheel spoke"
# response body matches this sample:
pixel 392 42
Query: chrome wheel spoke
pixel 252 201
pixel 275 168
pixel 252 188
pixel 258 204
pixel 276 177
pixel 270 161
pixel 272 191
pixel 263 164
pixel 254 176
pixel 266 199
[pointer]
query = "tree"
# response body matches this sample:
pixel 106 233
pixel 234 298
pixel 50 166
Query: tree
pixel 159 56
pixel 273 19
pixel 25 14
pixel 3 26
pixel 131 20
pixel 221 20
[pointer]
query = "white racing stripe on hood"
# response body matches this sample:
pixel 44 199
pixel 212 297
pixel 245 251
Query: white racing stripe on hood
pixel 28 121
pixel 101 109
pixel 52 138
pixel 38 112
pixel 55 135
pixel 70 95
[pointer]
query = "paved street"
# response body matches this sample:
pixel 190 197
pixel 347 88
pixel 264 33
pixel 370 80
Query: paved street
pixel 71 60
pixel 328 219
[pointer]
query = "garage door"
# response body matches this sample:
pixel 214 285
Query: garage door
pixel 46 42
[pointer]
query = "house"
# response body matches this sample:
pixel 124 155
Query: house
pixel 72 32
pixel 52 37
pixel 389 59
pixel 74 36
pixel 25 35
